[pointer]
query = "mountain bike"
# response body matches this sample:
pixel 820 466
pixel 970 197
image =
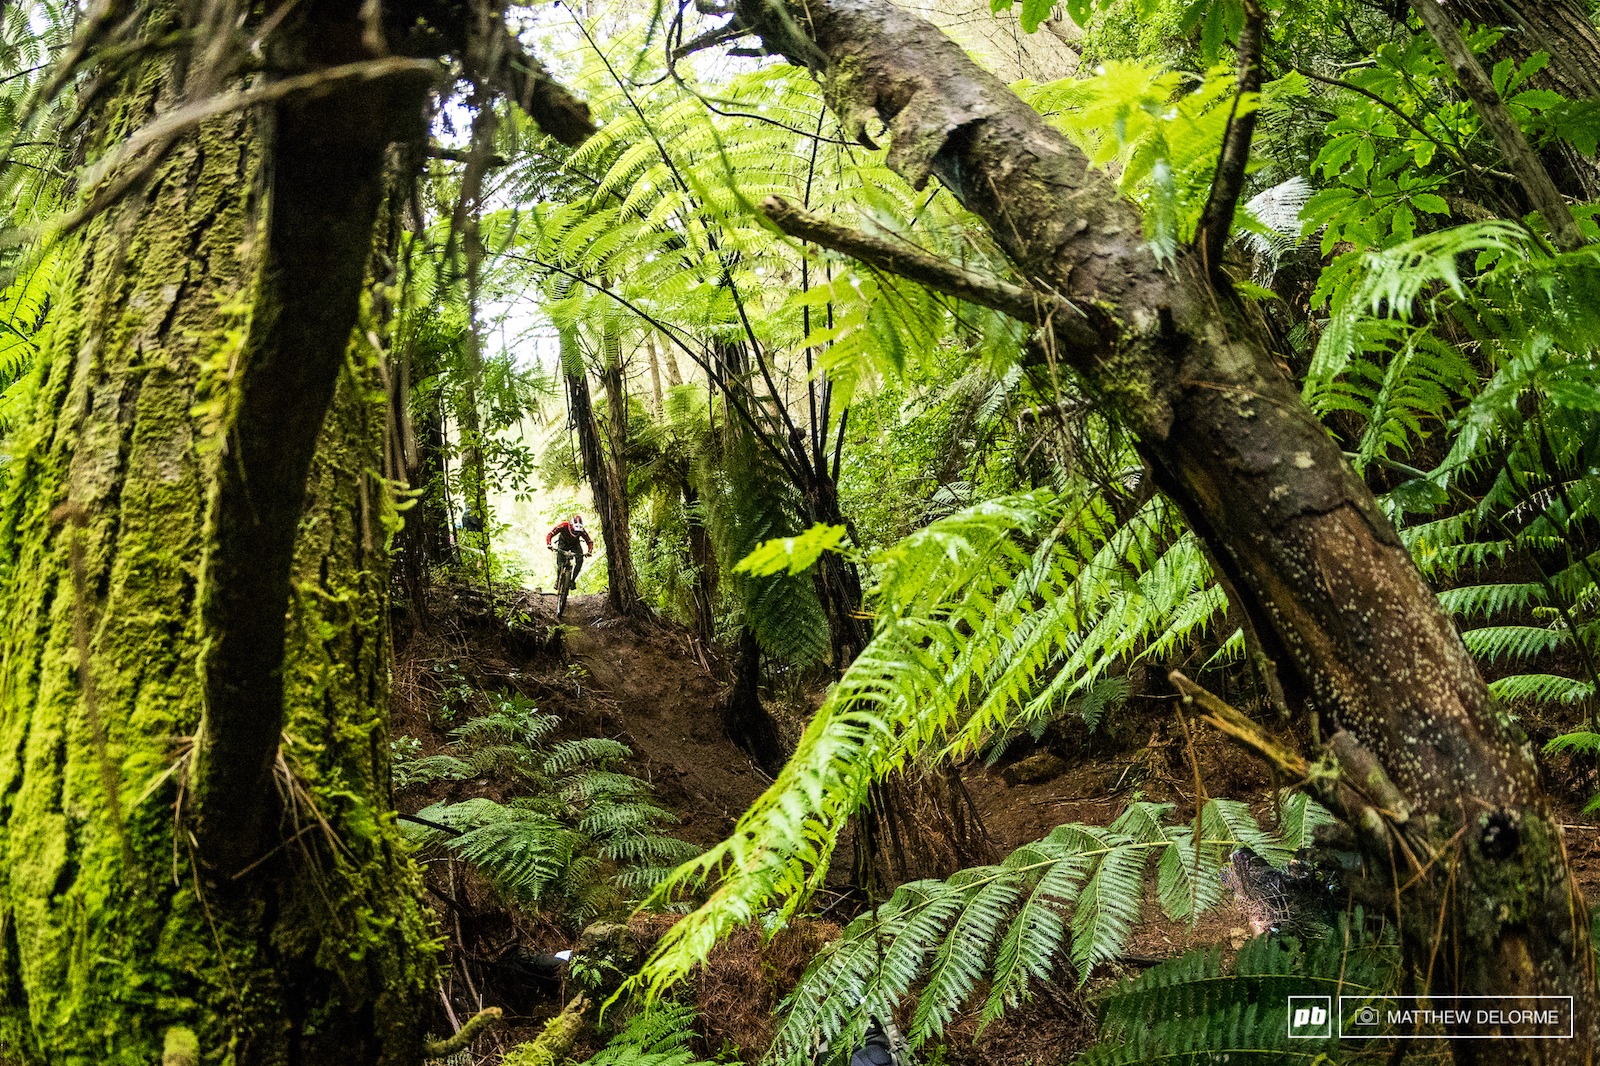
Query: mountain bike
pixel 567 564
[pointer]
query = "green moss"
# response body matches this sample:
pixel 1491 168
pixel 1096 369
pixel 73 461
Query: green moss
pixel 181 1048
pixel 103 960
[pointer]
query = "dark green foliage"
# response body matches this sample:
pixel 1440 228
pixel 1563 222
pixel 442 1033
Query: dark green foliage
pixel 23 306
pixel 752 501
pixel 1198 1009
pixel 584 841
pixel 657 1035
pixel 1581 742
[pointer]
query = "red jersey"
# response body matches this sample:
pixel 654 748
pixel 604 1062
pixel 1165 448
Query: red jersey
pixel 569 536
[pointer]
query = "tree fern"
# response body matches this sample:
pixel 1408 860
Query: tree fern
pixel 1526 413
pixel 586 838
pixel 1198 1005
pixel 522 849
pixel 1073 895
pixel 957 652
pixel 750 501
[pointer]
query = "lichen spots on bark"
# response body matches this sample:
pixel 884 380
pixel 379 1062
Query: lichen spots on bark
pixel 1383 678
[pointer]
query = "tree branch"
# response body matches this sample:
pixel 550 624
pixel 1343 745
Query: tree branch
pixel 459 155
pixel 1349 780
pixel 474 1027
pixel 1216 220
pixel 909 261
pixel 720 35
pixel 1507 134
pixel 436 826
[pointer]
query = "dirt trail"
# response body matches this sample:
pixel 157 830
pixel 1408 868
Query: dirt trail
pixel 647 689
pixel 642 684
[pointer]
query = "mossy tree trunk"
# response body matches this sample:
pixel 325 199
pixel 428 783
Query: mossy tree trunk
pixel 622 582
pixel 196 846
pixel 425 540
pixel 1421 764
pixel 606 473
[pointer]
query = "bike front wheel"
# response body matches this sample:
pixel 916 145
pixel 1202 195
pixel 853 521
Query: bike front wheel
pixel 563 583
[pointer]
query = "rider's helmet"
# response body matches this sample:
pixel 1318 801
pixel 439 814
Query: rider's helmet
pixel 577 523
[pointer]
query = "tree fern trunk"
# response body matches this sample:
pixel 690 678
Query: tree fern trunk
pixel 838 581
pixel 610 499
pixel 624 586
pixel 703 558
pixel 1359 640
pixel 425 539
pixel 122 935
pixel 745 719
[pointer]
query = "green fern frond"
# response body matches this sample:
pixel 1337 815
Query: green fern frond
pixel 960 962
pixel 439 768
pixel 1569 742
pixel 1032 944
pixel 1108 906
pixel 1543 688
pixel 657 1035
pixel 1513 642
pixel 1198 1005
pixel 1492 599
pixel 584 842
pixel 1007 924
pixel 949 600
pixel 1300 817
pixel 604 821
pixel 570 753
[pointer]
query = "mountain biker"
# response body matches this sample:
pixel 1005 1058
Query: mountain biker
pixel 566 535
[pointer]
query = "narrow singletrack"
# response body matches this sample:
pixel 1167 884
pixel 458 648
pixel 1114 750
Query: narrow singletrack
pixel 644 687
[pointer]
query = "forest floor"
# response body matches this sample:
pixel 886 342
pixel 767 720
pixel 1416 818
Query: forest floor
pixel 643 684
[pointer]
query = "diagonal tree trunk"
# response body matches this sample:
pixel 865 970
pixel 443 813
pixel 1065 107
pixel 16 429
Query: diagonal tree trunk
pixel 1421 766
pixel 1563 30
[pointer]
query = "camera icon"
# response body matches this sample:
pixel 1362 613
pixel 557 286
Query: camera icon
pixel 1365 1016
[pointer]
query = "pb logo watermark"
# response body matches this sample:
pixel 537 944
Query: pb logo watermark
pixel 1310 1017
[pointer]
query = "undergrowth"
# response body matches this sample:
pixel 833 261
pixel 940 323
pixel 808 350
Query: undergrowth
pixel 1197 1008
pixel 581 838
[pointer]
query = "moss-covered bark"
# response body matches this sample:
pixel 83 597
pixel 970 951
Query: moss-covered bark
pixel 115 942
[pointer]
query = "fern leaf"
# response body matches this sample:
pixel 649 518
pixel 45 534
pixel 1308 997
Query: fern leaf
pixel 1107 907
pixel 963 957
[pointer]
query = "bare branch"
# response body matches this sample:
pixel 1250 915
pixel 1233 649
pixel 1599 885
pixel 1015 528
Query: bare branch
pixel 730 32
pixel 474 1027
pixel 1507 134
pixel 1211 236
pixel 160 134
pixel 909 261
pixel 458 155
